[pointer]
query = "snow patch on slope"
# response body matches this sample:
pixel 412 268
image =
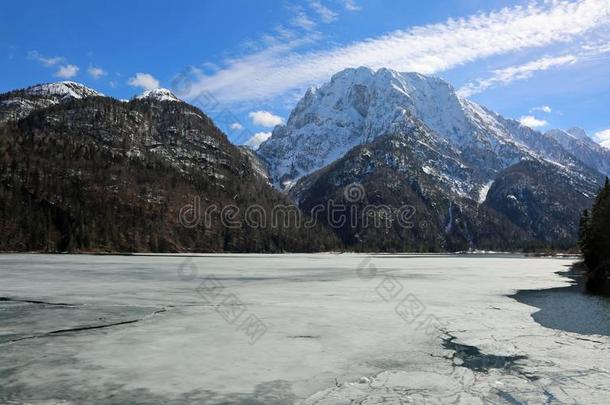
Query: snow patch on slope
pixel 359 105
pixel 158 95
pixel 484 191
pixel 65 89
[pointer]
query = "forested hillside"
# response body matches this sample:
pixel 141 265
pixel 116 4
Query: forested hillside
pixel 98 174
pixel 595 240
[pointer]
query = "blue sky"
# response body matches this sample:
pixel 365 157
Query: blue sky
pixel 246 63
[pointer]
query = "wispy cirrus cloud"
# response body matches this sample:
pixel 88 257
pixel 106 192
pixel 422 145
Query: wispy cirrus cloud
pixel 302 20
pixel 350 5
pixel 542 108
pixel 46 61
pixel 427 49
pixel 512 73
pixel 325 13
pixel 588 51
pixel 64 70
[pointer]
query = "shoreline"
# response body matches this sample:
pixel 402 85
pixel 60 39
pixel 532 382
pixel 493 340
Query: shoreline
pixel 250 254
pixel 570 308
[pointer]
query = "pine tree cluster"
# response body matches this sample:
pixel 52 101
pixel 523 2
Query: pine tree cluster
pixel 595 240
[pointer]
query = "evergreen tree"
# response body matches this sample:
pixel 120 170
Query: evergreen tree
pixel 595 238
pixel 584 232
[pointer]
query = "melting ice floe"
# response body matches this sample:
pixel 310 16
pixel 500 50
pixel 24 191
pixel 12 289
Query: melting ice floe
pixel 332 335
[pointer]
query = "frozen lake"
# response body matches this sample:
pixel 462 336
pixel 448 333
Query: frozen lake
pixel 283 329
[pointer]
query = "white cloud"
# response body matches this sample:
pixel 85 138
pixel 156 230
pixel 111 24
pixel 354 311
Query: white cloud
pixel 67 71
pixel 532 122
pixel 603 137
pixel 64 70
pixel 512 73
pixel 350 5
pixel 282 33
pixel 325 13
pixel 45 61
pixel 144 80
pixel 257 139
pixel 542 108
pixel 236 126
pixel 265 118
pixel 301 20
pixel 427 49
pixel 585 53
pixel 96 72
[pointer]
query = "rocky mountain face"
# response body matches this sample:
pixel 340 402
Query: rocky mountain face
pixel 382 160
pixel 394 203
pixel 584 148
pixel 20 103
pixel 541 200
pixel 358 105
pixel 80 171
pixel 456 160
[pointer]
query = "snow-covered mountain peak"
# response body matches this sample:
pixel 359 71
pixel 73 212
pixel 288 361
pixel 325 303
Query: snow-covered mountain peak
pixel 359 105
pixel 387 80
pixel 577 133
pixel 18 104
pixel 385 76
pixel 383 95
pixel 574 134
pixel 361 73
pixel 472 144
pixel 158 95
pixel 64 89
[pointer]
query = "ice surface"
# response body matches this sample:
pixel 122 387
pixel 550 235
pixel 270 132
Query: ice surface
pixel 337 328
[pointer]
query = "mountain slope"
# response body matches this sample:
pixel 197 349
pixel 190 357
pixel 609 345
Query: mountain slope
pixel 359 105
pixel 391 181
pixel 584 148
pixel 95 173
pixel 20 103
pixel 479 180
pixel 530 204
pixel 543 201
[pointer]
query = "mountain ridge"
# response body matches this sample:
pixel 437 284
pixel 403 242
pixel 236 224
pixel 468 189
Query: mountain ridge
pixel 99 174
pixel 357 105
pixel 435 141
pixel 477 179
